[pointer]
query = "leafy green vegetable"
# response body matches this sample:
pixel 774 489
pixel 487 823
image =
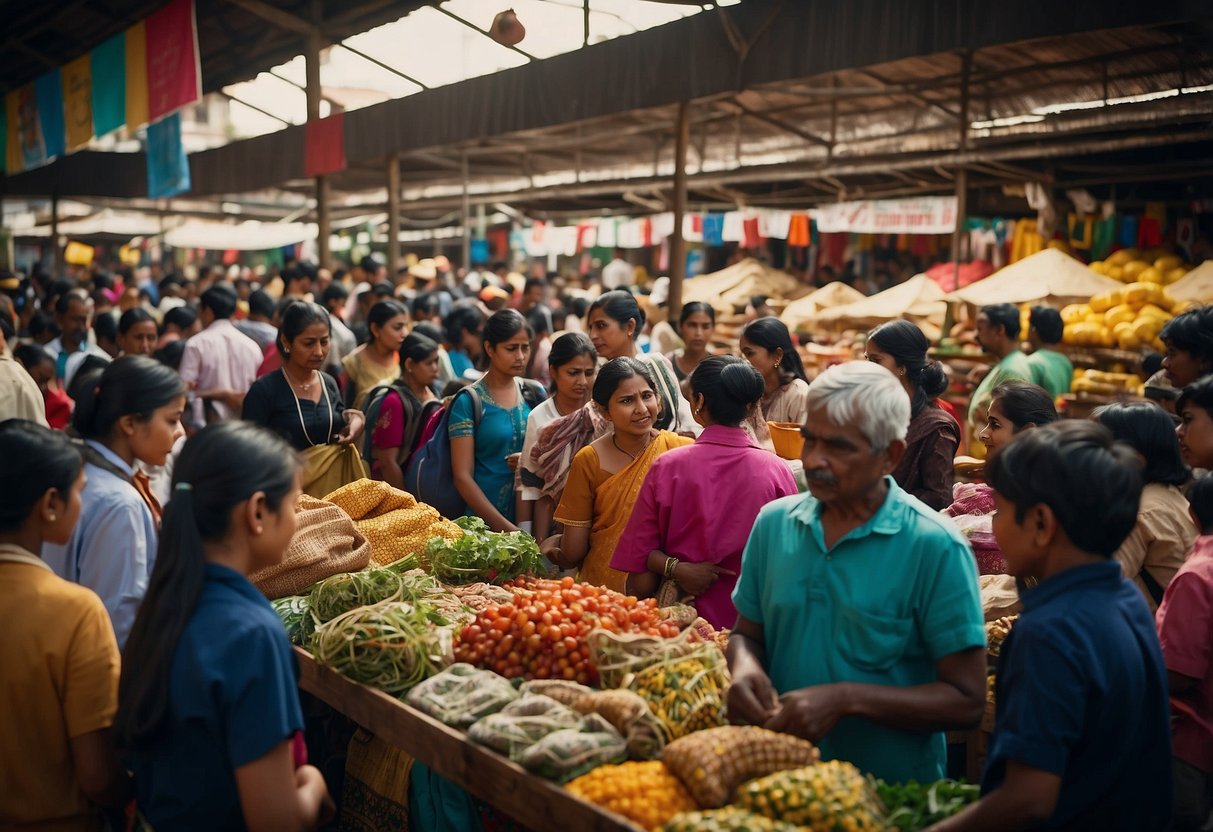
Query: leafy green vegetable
pixel 482 555
pixel 913 806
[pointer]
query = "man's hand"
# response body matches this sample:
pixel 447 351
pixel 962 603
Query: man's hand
pixel 697 578
pixel 751 698
pixel 810 713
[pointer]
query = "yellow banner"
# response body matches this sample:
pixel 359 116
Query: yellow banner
pixel 78 254
pixel 78 101
pixel 136 77
pixel 12 162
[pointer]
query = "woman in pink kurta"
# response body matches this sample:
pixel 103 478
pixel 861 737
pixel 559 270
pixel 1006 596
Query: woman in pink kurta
pixel 698 503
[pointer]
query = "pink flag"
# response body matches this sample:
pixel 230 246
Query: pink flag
pixel 174 78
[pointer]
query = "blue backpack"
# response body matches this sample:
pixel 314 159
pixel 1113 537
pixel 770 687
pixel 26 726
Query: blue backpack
pixel 428 476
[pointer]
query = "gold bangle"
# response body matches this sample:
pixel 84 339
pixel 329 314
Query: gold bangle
pixel 670 565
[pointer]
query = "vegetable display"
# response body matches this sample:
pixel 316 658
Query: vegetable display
pixel 644 793
pixel 626 711
pixel 913 806
pixel 522 723
pixel 392 645
pixel 823 797
pixel 713 763
pixel 686 694
pixel 541 635
pixel 728 819
pixel 482 555
pixel 461 694
pixel 569 753
pixel 296 614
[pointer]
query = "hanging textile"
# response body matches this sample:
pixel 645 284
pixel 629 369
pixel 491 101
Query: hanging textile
pixel 107 72
pixel 168 169
pixel 752 239
pixel 1128 231
pixel 733 229
pixel 713 230
pixel 798 231
pixel 1103 238
pixel 1080 230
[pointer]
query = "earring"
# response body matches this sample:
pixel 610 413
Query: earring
pixel 259 530
pixel 54 517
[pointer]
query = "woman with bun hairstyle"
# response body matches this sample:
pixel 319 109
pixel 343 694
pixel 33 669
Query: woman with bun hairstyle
pixel 696 322
pixel 128 413
pixel 378 360
pixel 606 475
pixel 60 660
pixel 695 510
pixel 926 468
pixel 208 703
pixel 767 345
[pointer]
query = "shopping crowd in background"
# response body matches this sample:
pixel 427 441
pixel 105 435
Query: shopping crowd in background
pixel 156 432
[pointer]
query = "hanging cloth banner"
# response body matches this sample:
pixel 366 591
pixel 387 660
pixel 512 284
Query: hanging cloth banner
pixel 324 146
pixel 136 76
pixel 174 78
pixel 28 151
pixel 108 75
pixel 925 215
pixel 78 101
pixel 48 92
pixel 168 169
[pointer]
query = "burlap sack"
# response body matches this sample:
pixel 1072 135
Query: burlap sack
pixel 326 543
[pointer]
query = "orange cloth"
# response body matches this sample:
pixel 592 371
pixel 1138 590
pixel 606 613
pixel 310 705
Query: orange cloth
pixel 798 231
pixel 602 502
pixel 144 486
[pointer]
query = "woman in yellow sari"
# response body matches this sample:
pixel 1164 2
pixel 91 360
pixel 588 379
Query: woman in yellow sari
pixel 606 475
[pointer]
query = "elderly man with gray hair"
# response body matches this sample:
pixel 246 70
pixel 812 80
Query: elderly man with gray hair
pixel 859 623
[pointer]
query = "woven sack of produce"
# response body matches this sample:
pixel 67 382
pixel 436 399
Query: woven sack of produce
pixel 822 797
pixel 627 712
pixel 645 793
pixel 522 723
pixel 326 542
pixel 396 525
pixel 619 655
pixel 713 763
pixel 685 693
pixel 728 819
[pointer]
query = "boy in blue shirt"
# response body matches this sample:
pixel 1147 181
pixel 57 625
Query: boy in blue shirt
pixel 1081 736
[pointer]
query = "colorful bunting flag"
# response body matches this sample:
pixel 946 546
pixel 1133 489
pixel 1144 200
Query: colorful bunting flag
pixel 173 74
pixel 31 149
pixel 78 101
pixel 108 70
pixel 48 93
pixel 324 146
pixel 168 169
pixel 136 76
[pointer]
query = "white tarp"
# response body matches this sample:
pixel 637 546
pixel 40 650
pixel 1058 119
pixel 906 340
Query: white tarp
pixel 246 236
pixel 1195 286
pixel 1046 275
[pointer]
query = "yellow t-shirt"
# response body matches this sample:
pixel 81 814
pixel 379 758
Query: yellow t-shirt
pixel 60 663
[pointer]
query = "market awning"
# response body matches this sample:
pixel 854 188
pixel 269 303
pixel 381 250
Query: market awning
pixel 806 309
pixel 918 297
pixel 731 288
pixel 247 236
pixel 1048 275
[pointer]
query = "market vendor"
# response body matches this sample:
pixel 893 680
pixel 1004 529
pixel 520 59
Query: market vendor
pixel 859 625
pixel 998 333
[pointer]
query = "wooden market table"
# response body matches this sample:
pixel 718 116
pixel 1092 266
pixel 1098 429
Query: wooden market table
pixel 532 801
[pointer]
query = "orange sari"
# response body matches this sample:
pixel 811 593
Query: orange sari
pixel 602 502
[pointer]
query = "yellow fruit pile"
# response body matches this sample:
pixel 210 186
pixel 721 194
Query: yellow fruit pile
pixel 824 797
pixel 1152 266
pixel 645 793
pixel 1128 318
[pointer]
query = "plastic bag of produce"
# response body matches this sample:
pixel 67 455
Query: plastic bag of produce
pixel 567 754
pixel 627 712
pixel 729 819
pixel 522 723
pixel 822 797
pixel 296 615
pixel 685 694
pixel 713 763
pixel 461 695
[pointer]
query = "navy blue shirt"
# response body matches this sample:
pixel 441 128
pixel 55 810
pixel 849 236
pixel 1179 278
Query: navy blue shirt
pixel 232 698
pixel 1082 693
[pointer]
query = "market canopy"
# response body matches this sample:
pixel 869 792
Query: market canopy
pixel 919 297
pixel 731 288
pixel 1048 275
pixel 805 310
pixel 1195 286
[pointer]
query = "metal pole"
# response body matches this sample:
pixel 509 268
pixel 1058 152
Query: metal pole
pixel 585 23
pixel 312 62
pixel 56 249
pixel 393 214
pixel 467 217
pixel 678 259
pixel 962 201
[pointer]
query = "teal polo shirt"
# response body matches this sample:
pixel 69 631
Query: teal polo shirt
pixel 880 607
pixel 1052 371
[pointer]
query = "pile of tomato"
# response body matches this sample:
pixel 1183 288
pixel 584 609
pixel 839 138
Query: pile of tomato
pixel 541 635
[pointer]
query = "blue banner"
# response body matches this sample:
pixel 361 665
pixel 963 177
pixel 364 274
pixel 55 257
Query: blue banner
pixel 48 90
pixel 108 62
pixel 168 168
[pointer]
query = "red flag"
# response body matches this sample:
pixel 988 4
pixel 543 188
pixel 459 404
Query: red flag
pixel 324 146
pixel 173 75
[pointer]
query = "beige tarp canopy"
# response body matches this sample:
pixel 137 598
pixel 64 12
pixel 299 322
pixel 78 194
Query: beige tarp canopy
pixel 731 288
pixel 1048 275
pixel 806 310
pixel 919 298
pixel 1196 285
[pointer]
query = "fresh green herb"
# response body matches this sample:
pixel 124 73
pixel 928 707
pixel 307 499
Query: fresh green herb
pixel 482 555
pixel 913 806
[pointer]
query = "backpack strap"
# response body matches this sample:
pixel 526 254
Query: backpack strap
pixel 1152 586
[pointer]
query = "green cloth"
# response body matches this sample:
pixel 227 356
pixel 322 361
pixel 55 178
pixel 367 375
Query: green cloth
pixel 1052 371
pixel 1014 366
pixel 882 606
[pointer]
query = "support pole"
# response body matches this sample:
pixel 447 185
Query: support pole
pixel 962 202
pixel 393 213
pixel 678 259
pixel 56 249
pixel 312 61
pixel 585 23
pixel 467 217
